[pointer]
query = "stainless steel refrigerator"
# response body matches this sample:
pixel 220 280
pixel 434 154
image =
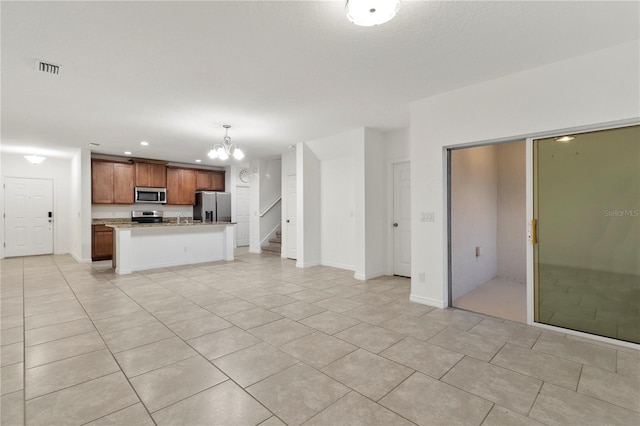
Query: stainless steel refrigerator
pixel 212 206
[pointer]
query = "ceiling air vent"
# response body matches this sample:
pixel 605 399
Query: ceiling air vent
pixel 47 67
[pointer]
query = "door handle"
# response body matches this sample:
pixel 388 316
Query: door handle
pixel 288 221
pixel 395 225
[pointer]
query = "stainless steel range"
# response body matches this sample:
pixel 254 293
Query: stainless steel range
pixel 148 216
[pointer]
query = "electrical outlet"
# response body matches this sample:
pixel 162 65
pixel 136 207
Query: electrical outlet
pixel 421 277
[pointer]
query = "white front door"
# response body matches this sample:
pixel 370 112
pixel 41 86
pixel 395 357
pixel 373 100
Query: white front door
pixel 292 221
pixel 242 216
pixel 28 216
pixel 402 219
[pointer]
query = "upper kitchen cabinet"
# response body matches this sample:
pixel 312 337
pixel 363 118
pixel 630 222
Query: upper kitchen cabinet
pixel 111 182
pixel 209 180
pixel 153 175
pixel 181 186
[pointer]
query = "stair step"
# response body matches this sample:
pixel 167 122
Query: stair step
pixel 275 241
pixel 271 249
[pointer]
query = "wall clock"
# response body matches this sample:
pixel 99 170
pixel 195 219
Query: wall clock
pixel 244 175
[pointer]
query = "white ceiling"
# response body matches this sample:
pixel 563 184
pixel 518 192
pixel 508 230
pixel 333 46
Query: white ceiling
pixel 172 73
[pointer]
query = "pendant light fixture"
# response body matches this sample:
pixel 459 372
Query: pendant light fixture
pixel 368 13
pixel 35 159
pixel 224 150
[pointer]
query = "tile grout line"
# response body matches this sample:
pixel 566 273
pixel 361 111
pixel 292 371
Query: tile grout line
pixel 107 347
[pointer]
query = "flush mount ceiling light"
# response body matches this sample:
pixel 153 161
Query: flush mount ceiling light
pixel 144 143
pixel 35 159
pixel 566 138
pixel 367 13
pixel 224 150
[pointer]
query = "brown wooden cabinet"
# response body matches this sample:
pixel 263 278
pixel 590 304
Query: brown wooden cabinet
pixel 209 180
pixel 181 186
pixel 111 182
pixel 153 175
pixel 101 242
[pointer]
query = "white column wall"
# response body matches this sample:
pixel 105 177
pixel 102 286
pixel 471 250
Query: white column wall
pixel 375 206
pixel 308 178
pixel 587 90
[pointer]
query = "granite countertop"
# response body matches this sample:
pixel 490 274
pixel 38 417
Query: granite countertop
pixel 110 221
pixel 124 225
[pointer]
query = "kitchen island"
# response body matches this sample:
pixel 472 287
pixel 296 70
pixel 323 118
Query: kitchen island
pixel 138 247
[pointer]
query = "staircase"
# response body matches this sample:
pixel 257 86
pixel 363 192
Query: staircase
pixel 275 245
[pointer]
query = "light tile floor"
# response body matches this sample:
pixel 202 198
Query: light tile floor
pixel 259 341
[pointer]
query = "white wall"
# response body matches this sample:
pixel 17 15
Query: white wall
pixel 375 206
pixel 586 90
pixel 474 217
pixel 308 212
pixel 58 170
pixel 337 192
pixel 397 144
pixel 339 155
pixel 512 215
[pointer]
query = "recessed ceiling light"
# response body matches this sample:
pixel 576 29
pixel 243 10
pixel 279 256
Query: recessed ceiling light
pixel 198 161
pixel 93 144
pixel 127 153
pixel 566 138
pixel 144 143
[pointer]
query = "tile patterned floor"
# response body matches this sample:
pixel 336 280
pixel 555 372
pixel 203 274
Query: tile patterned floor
pixel 259 341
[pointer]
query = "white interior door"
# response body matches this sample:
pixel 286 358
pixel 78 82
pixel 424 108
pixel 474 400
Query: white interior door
pixel 242 216
pixel 28 216
pixel 292 221
pixel 402 219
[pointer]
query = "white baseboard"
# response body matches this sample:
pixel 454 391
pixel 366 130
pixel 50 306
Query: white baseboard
pixel 254 251
pixel 79 259
pixel 365 277
pixel 426 301
pixel 300 264
pixel 337 265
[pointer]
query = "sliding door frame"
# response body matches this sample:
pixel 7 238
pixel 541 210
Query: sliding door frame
pixel 531 275
pixel 528 138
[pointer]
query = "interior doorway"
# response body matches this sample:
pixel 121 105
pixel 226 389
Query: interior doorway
pixel 402 219
pixel 291 217
pixel 487 230
pixel 28 216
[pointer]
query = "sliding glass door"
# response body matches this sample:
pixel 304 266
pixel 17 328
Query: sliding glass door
pixel 587 226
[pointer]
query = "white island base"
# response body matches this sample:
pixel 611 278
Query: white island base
pixel 141 247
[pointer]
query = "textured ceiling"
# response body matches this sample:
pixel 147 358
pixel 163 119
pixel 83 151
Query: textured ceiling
pixel 172 73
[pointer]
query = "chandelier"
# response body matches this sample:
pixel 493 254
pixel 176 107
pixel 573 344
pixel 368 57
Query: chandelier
pixel 224 150
pixel 367 13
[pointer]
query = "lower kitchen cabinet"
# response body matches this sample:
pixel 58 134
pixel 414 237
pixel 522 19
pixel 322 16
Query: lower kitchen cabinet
pixel 101 242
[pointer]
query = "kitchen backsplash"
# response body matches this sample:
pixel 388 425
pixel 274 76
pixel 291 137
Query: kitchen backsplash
pixel 118 211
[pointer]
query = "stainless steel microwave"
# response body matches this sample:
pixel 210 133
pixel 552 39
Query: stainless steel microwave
pixel 146 195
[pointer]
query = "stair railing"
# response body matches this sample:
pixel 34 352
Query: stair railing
pixel 272 205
